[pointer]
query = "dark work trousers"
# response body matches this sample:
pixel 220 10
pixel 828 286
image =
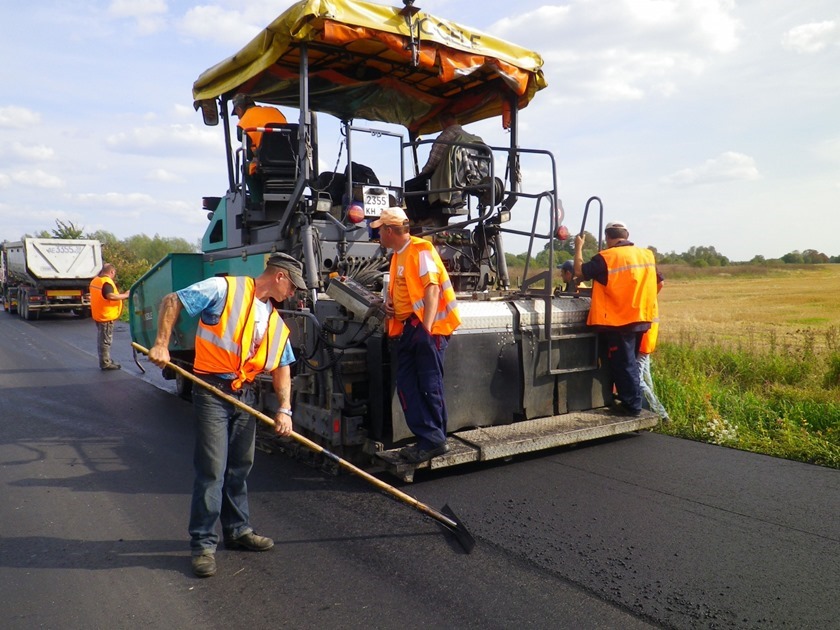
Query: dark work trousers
pixel 622 350
pixel 420 383
pixel 417 207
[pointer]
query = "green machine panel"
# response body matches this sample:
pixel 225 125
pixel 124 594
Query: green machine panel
pixel 174 272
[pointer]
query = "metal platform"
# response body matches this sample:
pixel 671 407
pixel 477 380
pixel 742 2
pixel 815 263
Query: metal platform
pixel 484 444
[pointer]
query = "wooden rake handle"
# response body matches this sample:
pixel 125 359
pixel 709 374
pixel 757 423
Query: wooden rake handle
pixel 394 492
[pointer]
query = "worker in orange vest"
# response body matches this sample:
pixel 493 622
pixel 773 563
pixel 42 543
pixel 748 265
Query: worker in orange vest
pixel 252 115
pixel 622 308
pixel 240 335
pixel 105 307
pixel 422 314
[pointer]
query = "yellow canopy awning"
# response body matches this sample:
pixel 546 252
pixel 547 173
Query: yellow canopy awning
pixel 360 66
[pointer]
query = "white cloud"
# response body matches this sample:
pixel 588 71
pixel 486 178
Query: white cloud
pixel 829 150
pixel 810 38
pixel 18 117
pixel 715 22
pixel 183 111
pixel 36 179
pixel 728 166
pixel 5 180
pixel 20 219
pixel 553 15
pixel 36 153
pixel 162 175
pixel 113 199
pixel 147 14
pixel 231 22
pixel 616 50
pixel 136 8
pixel 235 27
pixel 161 140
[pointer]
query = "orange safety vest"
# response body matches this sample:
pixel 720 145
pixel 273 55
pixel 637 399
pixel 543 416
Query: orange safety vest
pixel 101 308
pixel 448 318
pixel 650 338
pixel 259 116
pixel 629 297
pixel 219 348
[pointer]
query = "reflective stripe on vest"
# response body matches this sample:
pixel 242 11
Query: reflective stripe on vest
pixel 629 297
pixel 219 348
pixel 101 308
pixel 448 317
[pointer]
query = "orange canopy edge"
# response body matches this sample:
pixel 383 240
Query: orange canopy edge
pixel 361 66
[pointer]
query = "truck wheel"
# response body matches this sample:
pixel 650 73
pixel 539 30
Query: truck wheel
pixel 183 387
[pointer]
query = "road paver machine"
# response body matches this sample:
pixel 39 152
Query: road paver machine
pixel 523 371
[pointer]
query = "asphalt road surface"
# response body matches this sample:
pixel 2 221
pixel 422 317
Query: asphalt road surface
pixel 638 531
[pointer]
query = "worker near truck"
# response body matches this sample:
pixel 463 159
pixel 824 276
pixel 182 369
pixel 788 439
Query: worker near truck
pixel 106 304
pixel 422 314
pixel 622 308
pixel 240 335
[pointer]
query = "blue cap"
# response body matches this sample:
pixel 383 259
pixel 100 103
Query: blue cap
pixel 569 266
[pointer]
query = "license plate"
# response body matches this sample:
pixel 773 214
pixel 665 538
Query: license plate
pixel 63 293
pixel 376 200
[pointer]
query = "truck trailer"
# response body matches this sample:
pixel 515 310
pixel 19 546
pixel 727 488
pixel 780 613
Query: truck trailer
pixel 523 372
pixel 49 275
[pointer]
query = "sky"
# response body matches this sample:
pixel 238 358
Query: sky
pixel 697 122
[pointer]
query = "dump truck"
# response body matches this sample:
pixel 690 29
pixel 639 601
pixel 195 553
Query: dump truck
pixel 523 371
pixel 49 275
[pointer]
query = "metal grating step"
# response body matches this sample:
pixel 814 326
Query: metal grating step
pixel 500 441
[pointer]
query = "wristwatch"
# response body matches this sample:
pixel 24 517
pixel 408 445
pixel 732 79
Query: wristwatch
pixel 285 411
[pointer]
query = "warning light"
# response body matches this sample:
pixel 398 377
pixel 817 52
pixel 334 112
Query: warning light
pixel 356 213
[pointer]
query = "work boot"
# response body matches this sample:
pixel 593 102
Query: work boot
pixel 416 455
pixel 620 409
pixel 204 565
pixel 112 366
pixel 251 541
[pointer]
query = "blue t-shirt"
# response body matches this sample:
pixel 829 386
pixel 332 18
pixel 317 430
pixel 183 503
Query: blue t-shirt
pixel 207 298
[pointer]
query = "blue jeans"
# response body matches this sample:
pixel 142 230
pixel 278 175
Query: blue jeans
pixel 420 383
pixel 646 383
pixel 224 455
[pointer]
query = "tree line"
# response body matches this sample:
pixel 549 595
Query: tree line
pixel 699 256
pixel 132 256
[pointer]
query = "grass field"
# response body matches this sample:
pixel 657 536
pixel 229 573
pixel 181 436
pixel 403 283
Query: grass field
pixel 749 357
pixel 752 305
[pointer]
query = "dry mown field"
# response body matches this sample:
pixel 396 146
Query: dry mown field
pixel 779 306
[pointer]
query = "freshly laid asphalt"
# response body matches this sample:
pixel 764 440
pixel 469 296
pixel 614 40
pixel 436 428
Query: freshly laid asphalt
pixel 637 531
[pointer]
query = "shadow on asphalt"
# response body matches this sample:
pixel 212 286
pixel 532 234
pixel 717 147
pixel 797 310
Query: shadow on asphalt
pixel 37 552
